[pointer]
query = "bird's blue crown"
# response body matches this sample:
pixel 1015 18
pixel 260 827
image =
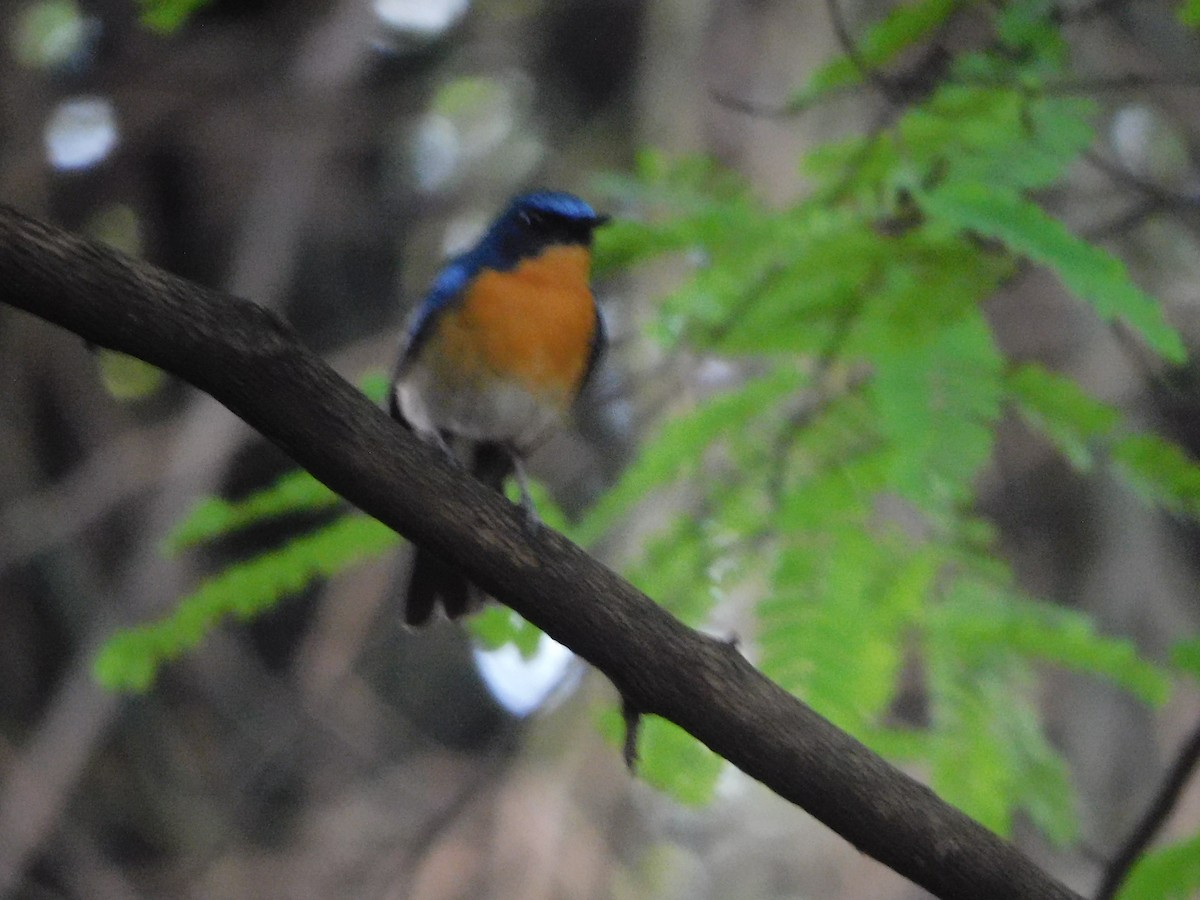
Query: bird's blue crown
pixel 555 203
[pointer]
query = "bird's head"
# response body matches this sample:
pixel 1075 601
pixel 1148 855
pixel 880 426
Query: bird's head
pixel 532 222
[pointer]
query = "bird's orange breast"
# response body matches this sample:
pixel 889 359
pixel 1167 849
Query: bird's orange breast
pixel 533 324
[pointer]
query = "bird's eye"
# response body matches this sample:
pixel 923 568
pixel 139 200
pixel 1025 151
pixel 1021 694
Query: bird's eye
pixel 531 218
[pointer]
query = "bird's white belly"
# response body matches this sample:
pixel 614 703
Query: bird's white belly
pixel 482 410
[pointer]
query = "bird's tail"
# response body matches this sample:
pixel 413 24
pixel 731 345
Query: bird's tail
pixel 432 581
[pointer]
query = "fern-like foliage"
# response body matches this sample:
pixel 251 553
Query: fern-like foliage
pixel 1090 272
pixel 130 660
pixel 838 482
pixel 294 492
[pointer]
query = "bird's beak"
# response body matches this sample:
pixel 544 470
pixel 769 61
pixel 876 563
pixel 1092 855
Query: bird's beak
pixel 600 220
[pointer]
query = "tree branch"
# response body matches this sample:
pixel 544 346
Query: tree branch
pixel 251 361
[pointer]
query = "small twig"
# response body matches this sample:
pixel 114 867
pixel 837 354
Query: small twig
pixel 750 107
pixel 1153 819
pixel 1128 81
pixel 818 401
pixel 632 717
pixel 1099 8
pixel 882 83
pixel 1123 177
pixel 1130 218
pixel 898 87
pixel 853 166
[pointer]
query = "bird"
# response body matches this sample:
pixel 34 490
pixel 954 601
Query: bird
pixel 494 357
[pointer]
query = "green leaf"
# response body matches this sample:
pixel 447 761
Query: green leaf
pixel 898 744
pixel 930 282
pixel 128 378
pixel 999 136
pixel 842 492
pixel 1087 270
pixel 669 758
pixel 841 599
pixel 903 27
pixel 1028 28
pixel 678 447
pixel 673 569
pixel 937 404
pixel 129 660
pixel 165 16
pixel 624 243
pixel 1189 13
pixel 293 492
pixel 1018 20
pixel 864 168
pixel 675 762
pixel 1073 421
pixel 1168 873
pixel 496 626
pixel 1159 471
pixel 988 622
pixel 375 386
pixel 836 465
pixel 971 765
pixel 800 290
pixel 673 204
pixel 989 756
pixel 1185 655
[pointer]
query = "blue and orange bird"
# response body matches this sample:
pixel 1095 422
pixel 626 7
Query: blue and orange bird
pixel 495 356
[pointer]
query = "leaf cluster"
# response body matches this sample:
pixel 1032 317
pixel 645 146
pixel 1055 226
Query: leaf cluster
pixel 837 482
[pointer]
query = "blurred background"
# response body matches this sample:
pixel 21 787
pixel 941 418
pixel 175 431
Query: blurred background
pixel 321 158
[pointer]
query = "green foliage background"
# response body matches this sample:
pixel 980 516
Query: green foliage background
pixel 872 389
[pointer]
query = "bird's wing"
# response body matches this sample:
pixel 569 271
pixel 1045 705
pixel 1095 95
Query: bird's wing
pixel 447 289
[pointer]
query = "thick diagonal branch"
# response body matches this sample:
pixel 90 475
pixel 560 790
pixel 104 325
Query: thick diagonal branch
pixel 253 363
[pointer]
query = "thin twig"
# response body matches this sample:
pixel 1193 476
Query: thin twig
pixel 1127 81
pixel 1157 813
pixel 882 83
pixel 751 107
pixel 1099 8
pixel 632 718
pixel 901 86
pixel 1123 177
pixel 1130 218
